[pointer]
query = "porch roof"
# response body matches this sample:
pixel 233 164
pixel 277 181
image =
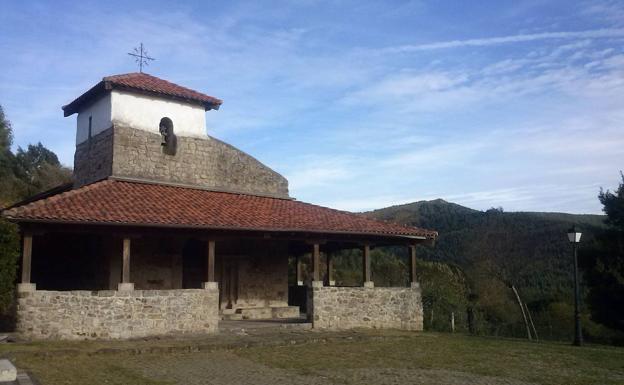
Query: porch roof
pixel 121 202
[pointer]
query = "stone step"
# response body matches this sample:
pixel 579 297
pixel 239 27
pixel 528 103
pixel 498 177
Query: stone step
pixel 232 317
pixel 258 313
pixel 285 312
pixel 255 313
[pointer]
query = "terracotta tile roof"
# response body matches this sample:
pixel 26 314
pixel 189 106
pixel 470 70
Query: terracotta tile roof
pixel 144 83
pixel 143 204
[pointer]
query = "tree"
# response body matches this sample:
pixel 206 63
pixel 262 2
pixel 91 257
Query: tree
pixel 39 168
pixel 604 263
pixel 29 172
pixel 9 184
pixel 9 250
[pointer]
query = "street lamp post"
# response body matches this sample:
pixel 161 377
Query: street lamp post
pixel 574 236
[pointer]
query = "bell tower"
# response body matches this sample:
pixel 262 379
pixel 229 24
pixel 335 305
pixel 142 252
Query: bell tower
pixel 139 127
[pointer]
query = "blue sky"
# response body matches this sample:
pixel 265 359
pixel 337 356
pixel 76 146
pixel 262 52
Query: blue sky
pixel 359 104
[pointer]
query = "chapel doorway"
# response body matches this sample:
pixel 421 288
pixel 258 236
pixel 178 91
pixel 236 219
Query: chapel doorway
pixel 193 264
pixel 228 283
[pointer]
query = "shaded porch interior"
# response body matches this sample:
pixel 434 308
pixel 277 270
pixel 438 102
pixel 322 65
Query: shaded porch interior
pixel 258 277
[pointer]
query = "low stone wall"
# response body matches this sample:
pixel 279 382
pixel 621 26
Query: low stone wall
pixel 72 315
pixel 366 307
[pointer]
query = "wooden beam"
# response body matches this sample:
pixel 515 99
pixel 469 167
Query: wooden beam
pixel 211 260
pixel 125 271
pixel 412 263
pixel 316 262
pixel 26 257
pixel 366 263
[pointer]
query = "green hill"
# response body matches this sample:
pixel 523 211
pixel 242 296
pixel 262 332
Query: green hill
pixel 497 250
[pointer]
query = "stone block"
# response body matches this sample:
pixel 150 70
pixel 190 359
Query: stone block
pixel 369 284
pixel 26 287
pixel 8 373
pixel 210 285
pixel 125 286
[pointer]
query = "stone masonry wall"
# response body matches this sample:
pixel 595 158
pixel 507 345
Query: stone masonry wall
pixel 93 159
pixel 73 315
pixel 205 162
pixel 363 307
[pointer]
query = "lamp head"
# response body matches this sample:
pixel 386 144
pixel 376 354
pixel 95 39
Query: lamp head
pixel 574 235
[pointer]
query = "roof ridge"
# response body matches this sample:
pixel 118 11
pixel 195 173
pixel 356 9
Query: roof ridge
pixel 215 189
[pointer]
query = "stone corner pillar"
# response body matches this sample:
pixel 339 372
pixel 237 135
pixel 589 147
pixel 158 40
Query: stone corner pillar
pixel 369 284
pixel 210 285
pixel 26 287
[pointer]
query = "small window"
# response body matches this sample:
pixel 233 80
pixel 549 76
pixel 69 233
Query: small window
pixel 168 138
pixel 89 133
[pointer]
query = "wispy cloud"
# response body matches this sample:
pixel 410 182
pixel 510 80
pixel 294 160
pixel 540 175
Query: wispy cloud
pixel 520 38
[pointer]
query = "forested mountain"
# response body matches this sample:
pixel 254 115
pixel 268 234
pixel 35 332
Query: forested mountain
pixel 530 249
pixel 497 252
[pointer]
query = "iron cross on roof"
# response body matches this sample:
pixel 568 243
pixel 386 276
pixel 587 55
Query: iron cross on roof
pixel 140 55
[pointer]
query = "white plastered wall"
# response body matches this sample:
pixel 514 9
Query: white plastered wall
pixel 140 112
pixel 100 113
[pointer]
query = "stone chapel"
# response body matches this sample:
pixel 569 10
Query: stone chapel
pixel 167 230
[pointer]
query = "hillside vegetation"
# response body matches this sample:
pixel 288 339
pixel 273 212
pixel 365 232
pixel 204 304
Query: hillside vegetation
pixel 492 253
pixel 22 174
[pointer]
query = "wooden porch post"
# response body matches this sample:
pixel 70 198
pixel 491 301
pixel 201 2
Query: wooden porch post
pixel 210 267
pixel 26 257
pixel 25 285
pixel 412 263
pixel 316 262
pixel 299 270
pixel 211 261
pixel 125 284
pixel 366 267
pixel 330 270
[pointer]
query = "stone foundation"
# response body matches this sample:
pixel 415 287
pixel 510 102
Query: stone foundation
pixel 109 314
pixel 365 307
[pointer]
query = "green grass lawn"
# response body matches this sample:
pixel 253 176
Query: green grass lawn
pixel 323 357
pixel 539 363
